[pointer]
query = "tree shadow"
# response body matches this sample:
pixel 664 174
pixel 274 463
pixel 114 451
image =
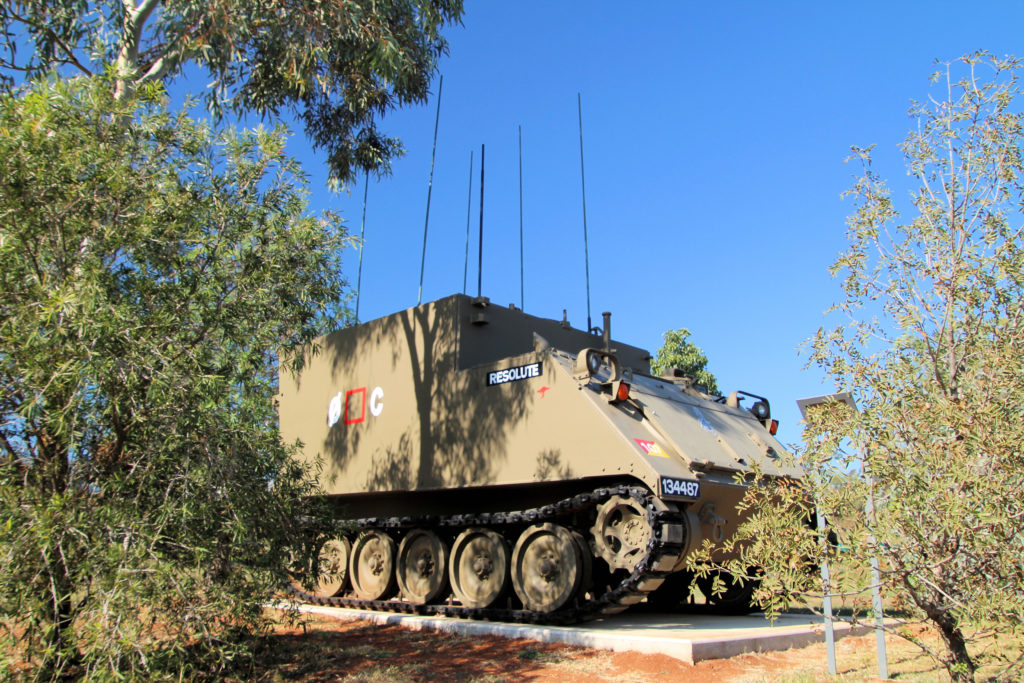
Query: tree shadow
pixel 550 466
pixel 393 470
pixel 439 424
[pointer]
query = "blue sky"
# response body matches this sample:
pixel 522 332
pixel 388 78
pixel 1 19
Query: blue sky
pixel 714 140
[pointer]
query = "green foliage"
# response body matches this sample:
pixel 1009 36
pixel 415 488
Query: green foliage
pixel 149 269
pixel 934 353
pixel 679 352
pixel 338 66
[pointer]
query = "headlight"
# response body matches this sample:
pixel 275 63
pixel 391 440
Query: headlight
pixel 761 410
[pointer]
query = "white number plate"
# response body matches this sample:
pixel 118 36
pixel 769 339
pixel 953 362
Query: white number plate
pixel 686 488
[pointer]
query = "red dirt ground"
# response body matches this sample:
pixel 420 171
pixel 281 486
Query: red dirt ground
pixel 331 650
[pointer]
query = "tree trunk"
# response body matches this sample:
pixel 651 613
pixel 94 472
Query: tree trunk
pixel 959 663
pixel 60 654
pixel 932 602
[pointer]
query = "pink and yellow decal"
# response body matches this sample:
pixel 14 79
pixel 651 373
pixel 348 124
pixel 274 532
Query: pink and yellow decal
pixel 651 448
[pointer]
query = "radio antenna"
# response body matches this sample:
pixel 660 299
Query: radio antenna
pixel 362 244
pixel 522 298
pixel 583 181
pixel 469 204
pixel 430 185
pixel 480 252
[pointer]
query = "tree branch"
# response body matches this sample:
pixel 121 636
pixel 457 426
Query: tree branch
pixel 69 53
pixel 127 59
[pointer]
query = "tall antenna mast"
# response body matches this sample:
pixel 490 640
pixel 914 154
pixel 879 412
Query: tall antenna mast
pixel 583 180
pixel 362 230
pixel 522 298
pixel 480 252
pixel 469 204
pixel 430 186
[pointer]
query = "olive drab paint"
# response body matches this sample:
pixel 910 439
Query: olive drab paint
pixel 459 403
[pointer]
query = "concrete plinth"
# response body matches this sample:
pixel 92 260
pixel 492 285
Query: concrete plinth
pixel 688 637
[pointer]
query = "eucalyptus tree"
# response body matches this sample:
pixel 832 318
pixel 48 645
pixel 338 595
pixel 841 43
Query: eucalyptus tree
pixel 933 351
pixel 337 66
pixel 150 268
pixel 678 351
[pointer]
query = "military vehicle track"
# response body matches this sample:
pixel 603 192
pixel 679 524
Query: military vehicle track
pixel 665 545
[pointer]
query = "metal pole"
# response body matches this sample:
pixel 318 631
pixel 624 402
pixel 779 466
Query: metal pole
pixel 830 639
pixel 480 249
pixel 583 182
pixel 430 185
pixel 805 404
pixel 522 286
pixel 876 581
pixel 362 229
pixel 469 204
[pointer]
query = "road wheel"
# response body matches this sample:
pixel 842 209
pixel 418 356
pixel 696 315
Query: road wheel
pixel 479 567
pixel 422 567
pixel 372 567
pixel 330 569
pixel 547 567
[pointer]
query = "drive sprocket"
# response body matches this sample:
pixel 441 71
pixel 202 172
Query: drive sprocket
pixel 621 532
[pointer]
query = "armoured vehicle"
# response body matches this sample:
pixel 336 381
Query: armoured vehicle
pixel 504 466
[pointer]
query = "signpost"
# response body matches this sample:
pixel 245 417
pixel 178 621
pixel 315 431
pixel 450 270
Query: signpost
pixel 806 404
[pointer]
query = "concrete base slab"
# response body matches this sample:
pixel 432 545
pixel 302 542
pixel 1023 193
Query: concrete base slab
pixel 688 637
